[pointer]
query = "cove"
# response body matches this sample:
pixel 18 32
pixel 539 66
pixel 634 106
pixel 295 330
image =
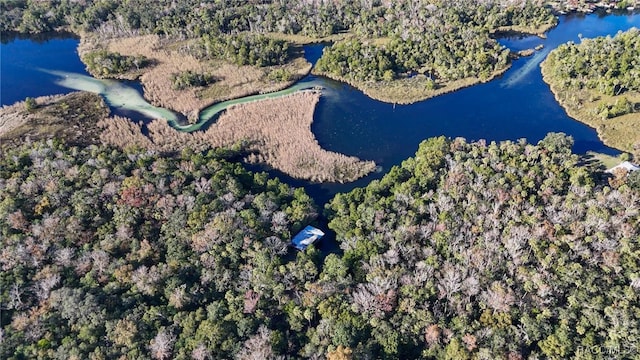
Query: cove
pixel 516 105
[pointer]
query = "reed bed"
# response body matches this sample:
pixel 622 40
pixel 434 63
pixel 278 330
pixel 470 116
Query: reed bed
pixel 276 132
pixel 72 117
pixel 121 132
pixel 169 58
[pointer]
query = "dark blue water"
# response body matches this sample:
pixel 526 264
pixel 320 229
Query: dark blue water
pixel 313 52
pixel 21 56
pixel 517 105
pixel 499 110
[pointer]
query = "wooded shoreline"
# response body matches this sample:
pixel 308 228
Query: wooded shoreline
pixel 594 82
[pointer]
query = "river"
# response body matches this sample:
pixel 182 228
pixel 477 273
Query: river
pixel 516 105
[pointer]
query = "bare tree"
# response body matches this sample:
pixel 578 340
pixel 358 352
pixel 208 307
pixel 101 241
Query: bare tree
pixel 45 285
pixel 15 297
pixel 161 346
pixel 64 256
pixel 178 297
pixel 251 299
pixel 201 353
pixel 258 347
pixel 499 297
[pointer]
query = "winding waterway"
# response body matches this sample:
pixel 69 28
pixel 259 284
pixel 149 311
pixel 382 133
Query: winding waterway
pixel 517 105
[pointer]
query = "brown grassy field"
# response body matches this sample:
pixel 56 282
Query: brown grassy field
pixel 276 132
pixel 72 117
pixel 171 57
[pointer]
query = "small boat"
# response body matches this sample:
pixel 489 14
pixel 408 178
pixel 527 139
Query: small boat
pixel 306 237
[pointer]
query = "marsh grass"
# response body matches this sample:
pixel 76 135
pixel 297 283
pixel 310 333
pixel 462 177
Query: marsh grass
pixel 72 117
pixel 170 57
pixel 607 161
pixel 275 132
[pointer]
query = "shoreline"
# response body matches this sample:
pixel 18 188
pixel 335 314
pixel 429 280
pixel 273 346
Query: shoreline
pixel 175 101
pixel 381 90
pixel 561 9
pixel 516 30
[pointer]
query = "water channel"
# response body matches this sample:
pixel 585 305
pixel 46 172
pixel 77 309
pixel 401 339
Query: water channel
pixel 517 105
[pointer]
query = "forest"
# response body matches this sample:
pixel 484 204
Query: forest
pixel 110 254
pixel 488 251
pixel 257 50
pixel 467 250
pixel 445 42
pixel 607 65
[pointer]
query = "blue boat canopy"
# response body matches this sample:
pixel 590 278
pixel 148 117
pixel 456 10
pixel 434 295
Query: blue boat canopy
pixel 306 237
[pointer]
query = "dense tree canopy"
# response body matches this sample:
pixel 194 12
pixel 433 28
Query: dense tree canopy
pixel 246 49
pixel 488 251
pixel 467 250
pixel 187 79
pixel 104 63
pixel 445 41
pixel 608 64
pixel 107 254
pixel 443 56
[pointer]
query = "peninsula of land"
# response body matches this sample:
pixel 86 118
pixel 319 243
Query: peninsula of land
pixel 598 83
pixel 429 63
